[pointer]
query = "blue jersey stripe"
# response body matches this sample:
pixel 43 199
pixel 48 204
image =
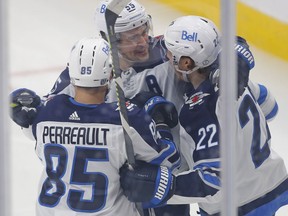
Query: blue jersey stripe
pixel 273 113
pixel 165 154
pixel 215 164
pixel 211 178
pixel 263 94
pixel 265 205
pixel 271 207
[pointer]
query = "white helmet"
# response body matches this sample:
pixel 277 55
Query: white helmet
pixel 90 63
pixel 132 16
pixel 195 37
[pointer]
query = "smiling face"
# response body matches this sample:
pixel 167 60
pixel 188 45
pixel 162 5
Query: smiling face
pixel 133 44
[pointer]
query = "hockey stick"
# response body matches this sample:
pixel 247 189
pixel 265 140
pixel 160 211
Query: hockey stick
pixel 113 9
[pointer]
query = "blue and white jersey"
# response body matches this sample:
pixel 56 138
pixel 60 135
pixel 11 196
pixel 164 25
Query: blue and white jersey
pixel 154 80
pixel 265 99
pixel 160 79
pixel 262 184
pixel 82 148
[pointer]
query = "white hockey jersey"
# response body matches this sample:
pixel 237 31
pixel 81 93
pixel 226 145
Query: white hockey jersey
pixel 261 176
pixel 82 148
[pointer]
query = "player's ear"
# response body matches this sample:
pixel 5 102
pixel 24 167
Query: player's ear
pixel 189 63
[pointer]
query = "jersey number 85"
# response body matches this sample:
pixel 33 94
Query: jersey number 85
pixel 53 188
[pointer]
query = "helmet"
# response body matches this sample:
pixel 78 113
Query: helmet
pixel 195 37
pixel 90 63
pixel 132 16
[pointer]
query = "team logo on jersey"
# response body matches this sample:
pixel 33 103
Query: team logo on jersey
pixel 195 99
pixel 129 106
pixel 74 116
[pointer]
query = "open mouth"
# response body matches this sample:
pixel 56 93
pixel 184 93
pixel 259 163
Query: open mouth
pixel 142 52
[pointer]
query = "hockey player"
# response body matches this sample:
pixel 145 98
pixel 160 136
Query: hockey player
pixel 80 141
pixel 137 46
pixel 261 176
pixel 148 80
pixel 138 50
pixel 155 81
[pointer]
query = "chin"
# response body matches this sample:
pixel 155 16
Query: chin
pixel 142 58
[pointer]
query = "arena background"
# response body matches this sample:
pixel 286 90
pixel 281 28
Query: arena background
pixel 41 34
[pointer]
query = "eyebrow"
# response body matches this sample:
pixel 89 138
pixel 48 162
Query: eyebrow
pixel 138 29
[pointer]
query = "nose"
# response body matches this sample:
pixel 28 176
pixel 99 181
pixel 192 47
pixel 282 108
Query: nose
pixel 142 39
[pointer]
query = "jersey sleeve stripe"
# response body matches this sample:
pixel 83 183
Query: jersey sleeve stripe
pixel 211 165
pixel 210 172
pixel 263 94
pixel 164 154
pixel 273 113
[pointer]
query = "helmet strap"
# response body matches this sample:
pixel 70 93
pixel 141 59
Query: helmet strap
pixel 186 72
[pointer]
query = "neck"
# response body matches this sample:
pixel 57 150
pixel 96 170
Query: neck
pixel 90 95
pixel 125 64
pixel 196 78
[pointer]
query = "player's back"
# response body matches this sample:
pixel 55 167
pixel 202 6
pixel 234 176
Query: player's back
pixel 82 149
pixel 261 175
pixel 260 170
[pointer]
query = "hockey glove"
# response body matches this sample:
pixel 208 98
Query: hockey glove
pixel 245 62
pixel 147 183
pixel 161 110
pixel 23 103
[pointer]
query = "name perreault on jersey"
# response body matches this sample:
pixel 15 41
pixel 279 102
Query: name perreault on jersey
pixel 75 135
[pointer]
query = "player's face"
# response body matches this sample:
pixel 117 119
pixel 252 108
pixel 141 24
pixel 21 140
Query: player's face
pixel 133 44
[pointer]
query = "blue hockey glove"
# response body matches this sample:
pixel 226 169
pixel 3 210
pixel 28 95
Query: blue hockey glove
pixel 161 110
pixel 147 183
pixel 245 62
pixel 244 52
pixel 23 103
